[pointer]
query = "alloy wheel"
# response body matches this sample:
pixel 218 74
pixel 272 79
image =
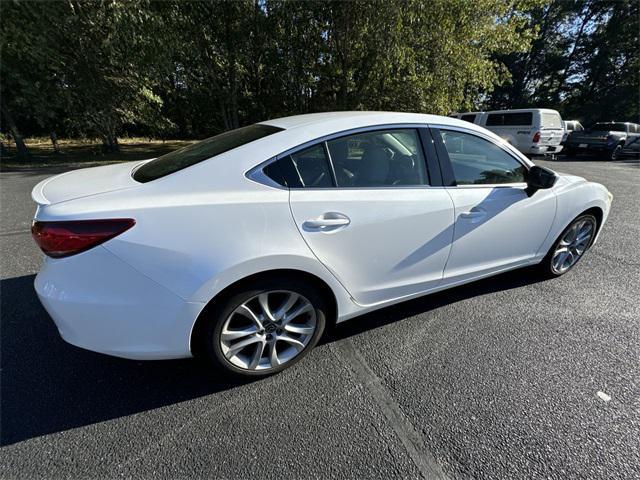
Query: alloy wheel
pixel 268 330
pixel 573 244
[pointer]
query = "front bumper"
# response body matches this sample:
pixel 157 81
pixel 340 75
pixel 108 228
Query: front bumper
pixel 100 303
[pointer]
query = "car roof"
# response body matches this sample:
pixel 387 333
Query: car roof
pixel 357 119
pixel 519 110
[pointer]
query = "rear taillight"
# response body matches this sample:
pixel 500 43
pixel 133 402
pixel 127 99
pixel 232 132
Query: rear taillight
pixel 536 137
pixel 61 239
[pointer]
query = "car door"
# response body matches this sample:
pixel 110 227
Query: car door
pixel 382 225
pixel 498 223
pixel 632 145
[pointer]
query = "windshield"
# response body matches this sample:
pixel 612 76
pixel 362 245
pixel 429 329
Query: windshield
pixel 607 127
pixel 188 156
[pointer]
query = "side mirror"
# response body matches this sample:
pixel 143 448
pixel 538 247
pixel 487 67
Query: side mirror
pixel 540 178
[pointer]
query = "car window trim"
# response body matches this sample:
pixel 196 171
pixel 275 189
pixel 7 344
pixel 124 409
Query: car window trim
pixel 257 174
pixel 327 153
pixel 445 162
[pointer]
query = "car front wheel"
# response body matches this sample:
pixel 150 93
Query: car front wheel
pixel 265 328
pixel 569 248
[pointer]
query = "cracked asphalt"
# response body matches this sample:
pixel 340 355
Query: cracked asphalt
pixel 495 379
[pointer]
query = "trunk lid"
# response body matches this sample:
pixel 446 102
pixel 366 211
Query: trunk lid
pixel 85 182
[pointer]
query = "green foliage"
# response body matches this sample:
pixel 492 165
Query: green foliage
pixel 584 62
pixel 104 68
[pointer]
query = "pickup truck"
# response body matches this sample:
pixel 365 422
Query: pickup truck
pixel 612 138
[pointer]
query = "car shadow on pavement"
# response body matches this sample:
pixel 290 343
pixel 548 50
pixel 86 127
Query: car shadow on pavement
pixel 410 308
pixel 50 386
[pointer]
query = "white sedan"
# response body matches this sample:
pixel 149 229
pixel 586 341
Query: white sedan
pixel 243 247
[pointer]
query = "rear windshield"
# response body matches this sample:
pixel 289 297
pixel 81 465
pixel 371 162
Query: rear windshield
pixel 516 118
pixel 551 120
pixel 606 127
pixel 188 156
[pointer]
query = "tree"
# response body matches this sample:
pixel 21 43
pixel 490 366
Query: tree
pixel 85 64
pixel 584 62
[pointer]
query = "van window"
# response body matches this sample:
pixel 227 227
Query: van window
pixel 551 120
pixel 198 152
pixel 469 118
pixel 510 119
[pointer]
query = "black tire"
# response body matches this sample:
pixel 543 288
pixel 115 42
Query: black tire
pixel 615 153
pixel 223 309
pixel 545 268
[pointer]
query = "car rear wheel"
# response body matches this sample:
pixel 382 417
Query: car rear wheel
pixel 265 328
pixel 569 248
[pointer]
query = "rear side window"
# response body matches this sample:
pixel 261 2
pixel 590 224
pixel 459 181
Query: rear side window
pixel 469 118
pixel 510 119
pixel 198 152
pixel 305 169
pixel 382 158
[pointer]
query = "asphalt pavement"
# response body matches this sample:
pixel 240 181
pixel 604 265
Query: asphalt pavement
pixel 509 377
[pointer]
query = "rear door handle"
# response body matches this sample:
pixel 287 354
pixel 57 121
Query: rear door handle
pixel 326 222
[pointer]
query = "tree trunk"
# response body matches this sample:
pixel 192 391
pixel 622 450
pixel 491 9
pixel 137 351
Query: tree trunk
pixel 21 148
pixel 110 144
pixel 54 142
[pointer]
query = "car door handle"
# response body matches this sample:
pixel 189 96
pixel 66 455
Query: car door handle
pixel 327 222
pixel 474 214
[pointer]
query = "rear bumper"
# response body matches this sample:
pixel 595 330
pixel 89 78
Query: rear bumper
pixel 545 149
pixel 100 303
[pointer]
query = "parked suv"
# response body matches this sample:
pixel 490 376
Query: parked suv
pixel 613 138
pixel 533 131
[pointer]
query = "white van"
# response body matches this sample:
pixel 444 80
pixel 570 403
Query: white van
pixel 533 131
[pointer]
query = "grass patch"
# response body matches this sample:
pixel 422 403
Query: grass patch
pixel 84 152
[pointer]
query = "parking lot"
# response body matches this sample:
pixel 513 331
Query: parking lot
pixel 496 379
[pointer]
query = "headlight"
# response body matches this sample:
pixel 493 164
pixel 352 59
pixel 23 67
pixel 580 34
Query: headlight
pixel 610 195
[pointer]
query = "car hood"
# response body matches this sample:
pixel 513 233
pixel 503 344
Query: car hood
pixel 85 182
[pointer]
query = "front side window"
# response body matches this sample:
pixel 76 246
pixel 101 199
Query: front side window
pixel 382 158
pixel 469 118
pixel 477 161
pixel 198 152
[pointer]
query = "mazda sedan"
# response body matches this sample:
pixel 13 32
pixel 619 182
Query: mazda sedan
pixel 242 248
